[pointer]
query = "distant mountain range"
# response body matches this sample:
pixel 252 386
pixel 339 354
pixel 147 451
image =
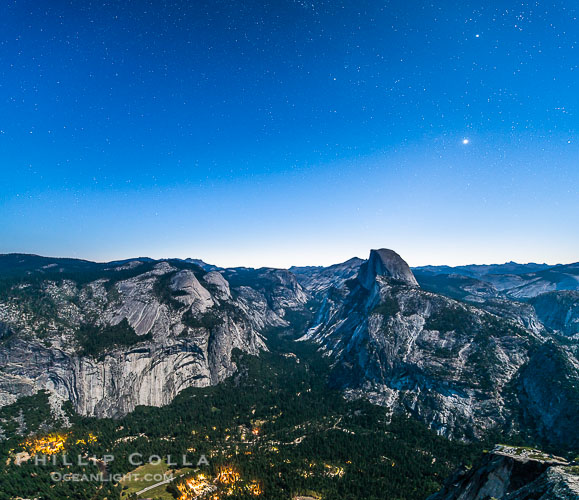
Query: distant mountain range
pixel 520 281
pixel 476 270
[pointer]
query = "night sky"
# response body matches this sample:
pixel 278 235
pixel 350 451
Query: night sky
pixel 290 132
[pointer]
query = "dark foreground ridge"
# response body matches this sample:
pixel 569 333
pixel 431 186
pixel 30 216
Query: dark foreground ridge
pixel 514 473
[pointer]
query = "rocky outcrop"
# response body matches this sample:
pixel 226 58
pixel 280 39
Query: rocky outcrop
pixel 137 303
pixel 452 365
pixel 556 483
pixel 279 287
pixel 317 280
pixel 558 311
pixel 186 322
pixel 220 284
pixel 191 292
pixel 520 312
pixel 548 395
pixel 387 263
pixel 511 473
pixel 284 291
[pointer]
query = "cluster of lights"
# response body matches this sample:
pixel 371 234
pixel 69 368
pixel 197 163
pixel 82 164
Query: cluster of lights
pixel 227 475
pixel 53 443
pixel 47 445
pixel 194 487
pixel 254 488
pixel 332 471
pixel 228 478
pixel 91 438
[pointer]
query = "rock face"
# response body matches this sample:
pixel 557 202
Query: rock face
pixel 521 313
pixel 184 323
pixel 388 263
pixel 513 474
pixel 548 395
pixel 279 287
pixel 558 311
pixel 221 285
pixel 150 374
pixel 456 367
pixel 317 280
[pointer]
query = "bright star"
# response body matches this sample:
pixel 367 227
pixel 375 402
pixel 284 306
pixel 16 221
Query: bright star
pixel 465 141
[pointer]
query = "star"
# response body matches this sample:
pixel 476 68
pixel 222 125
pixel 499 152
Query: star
pixel 465 141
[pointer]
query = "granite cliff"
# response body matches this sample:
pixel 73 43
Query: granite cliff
pixel 136 334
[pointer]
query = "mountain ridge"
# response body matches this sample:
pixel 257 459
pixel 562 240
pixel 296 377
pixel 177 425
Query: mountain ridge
pixel 399 345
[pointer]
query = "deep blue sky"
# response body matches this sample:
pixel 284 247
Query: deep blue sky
pixel 291 131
